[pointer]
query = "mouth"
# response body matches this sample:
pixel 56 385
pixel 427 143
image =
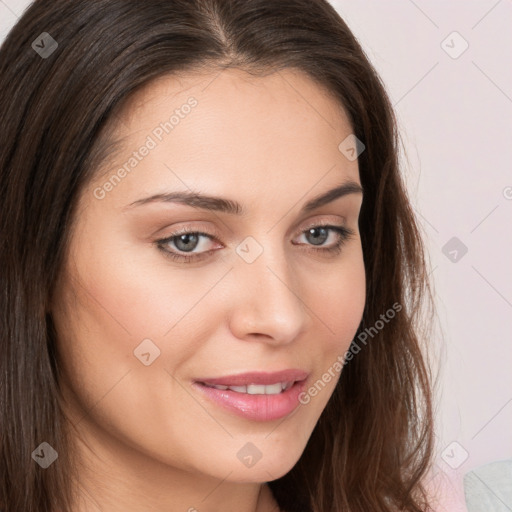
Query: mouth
pixel 256 389
pixel 256 396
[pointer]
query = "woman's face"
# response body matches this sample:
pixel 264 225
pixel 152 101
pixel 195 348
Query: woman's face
pixel 143 332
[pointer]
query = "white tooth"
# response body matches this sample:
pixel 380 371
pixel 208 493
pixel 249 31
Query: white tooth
pixel 261 389
pixel 239 389
pixel 220 387
pixel 273 389
pixel 256 389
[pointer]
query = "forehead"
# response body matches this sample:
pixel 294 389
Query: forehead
pixel 289 87
pixel 232 129
pixel 233 98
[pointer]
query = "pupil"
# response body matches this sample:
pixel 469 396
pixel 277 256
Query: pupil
pixel 318 240
pixel 186 240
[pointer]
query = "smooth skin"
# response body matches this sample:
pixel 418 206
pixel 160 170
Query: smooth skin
pixel 148 440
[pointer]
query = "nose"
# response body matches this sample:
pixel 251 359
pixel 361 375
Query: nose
pixel 267 304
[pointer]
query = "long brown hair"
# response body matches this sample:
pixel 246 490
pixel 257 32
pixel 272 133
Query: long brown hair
pixel 372 444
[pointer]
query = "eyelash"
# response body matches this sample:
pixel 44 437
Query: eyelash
pixel 344 233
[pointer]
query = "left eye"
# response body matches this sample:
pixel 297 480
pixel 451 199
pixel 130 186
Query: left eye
pixel 319 234
pixel 187 242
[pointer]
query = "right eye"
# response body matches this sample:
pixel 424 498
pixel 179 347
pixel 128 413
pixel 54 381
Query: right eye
pixel 185 242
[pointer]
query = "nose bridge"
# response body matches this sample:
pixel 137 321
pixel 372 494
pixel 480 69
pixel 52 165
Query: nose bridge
pixel 269 300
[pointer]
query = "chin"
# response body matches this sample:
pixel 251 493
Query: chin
pixel 260 474
pixel 266 469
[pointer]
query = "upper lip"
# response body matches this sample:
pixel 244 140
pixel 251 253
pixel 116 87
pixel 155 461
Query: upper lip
pixel 262 378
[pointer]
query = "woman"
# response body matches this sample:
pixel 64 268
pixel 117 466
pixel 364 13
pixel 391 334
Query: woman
pixel 211 272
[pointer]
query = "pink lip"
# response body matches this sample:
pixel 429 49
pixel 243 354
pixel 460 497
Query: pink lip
pixel 256 407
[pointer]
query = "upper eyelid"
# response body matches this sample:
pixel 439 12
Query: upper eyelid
pixel 186 230
pixel 217 234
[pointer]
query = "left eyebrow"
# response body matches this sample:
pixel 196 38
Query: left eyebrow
pixel 229 206
pixel 349 187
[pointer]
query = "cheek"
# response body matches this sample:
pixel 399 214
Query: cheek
pixel 104 319
pixel 339 307
pixel 339 303
pixel 134 295
pixel 122 308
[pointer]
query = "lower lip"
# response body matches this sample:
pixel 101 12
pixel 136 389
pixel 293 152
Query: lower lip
pixel 256 407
